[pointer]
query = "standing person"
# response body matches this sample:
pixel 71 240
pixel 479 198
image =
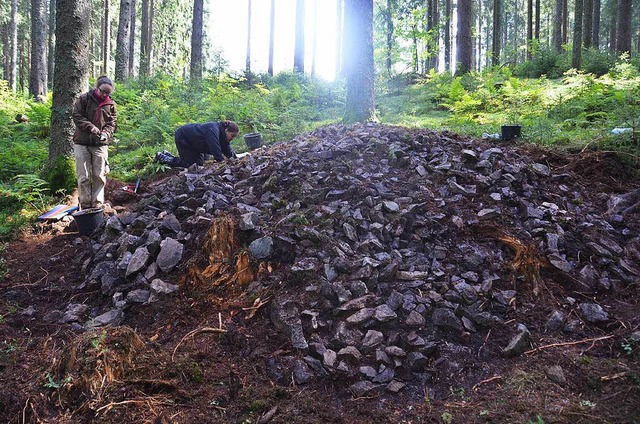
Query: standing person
pixel 94 114
pixel 195 141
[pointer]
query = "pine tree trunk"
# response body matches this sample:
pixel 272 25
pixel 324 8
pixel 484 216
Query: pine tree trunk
pixel 389 29
pixel 13 53
pixel 339 34
pixel 565 21
pixel 595 39
pixel 51 48
pixel 613 25
pixel 247 66
pixel 447 35
pixel 150 38
pixel 557 27
pixel 5 48
pixel 132 40
pixel 536 30
pixel 464 40
pixel 196 40
pixel 358 62
pixel 298 56
pixel 587 24
pixel 576 58
pixel 272 31
pixel 122 41
pixel 38 70
pixel 436 35
pixel 71 74
pixel 497 32
pixel 623 36
pixel 314 44
pixel 529 27
pixel 106 39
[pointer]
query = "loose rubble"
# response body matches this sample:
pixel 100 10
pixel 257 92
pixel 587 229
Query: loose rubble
pixel 407 247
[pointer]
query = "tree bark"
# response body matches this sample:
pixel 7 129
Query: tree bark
pixel 132 39
pixel 144 39
pixel 106 39
pixel 248 57
pixel 447 35
pixel 623 36
pixel 122 41
pixel 464 41
pixel 587 24
pixel 358 60
pixel 389 29
pixel 339 34
pixel 38 70
pixel 595 38
pixel 497 32
pixel 196 40
pixel 272 31
pixel 536 30
pixel 51 42
pixel 529 26
pixel 613 25
pixel 298 56
pixel 565 21
pixel 13 53
pixel 71 75
pixel 557 27
pixel 576 57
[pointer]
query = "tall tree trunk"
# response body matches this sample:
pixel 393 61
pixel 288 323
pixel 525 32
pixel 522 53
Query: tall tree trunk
pixel 272 32
pixel 623 36
pixel 595 38
pixel 51 42
pixel 358 60
pixel 613 25
pixel 447 35
pixel 557 27
pixel 464 40
pixel 436 35
pixel 587 24
pixel 23 59
pixel 4 29
pixel 247 66
pixel 565 21
pixel 70 79
pixel 576 58
pixel 298 56
pixel 529 26
pixel 38 71
pixel 196 40
pixel 536 31
pixel 339 34
pixel 389 29
pixel 122 41
pixel 132 39
pixel 106 39
pixel 414 43
pixel 314 43
pixel 144 40
pixel 13 54
pixel 150 37
pixel 497 32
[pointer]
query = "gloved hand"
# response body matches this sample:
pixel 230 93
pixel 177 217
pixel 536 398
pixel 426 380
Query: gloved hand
pixel 103 136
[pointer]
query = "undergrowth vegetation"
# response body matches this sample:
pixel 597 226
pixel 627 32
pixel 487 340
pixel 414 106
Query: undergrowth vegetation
pixel 560 107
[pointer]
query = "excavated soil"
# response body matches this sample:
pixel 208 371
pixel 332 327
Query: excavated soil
pixel 205 354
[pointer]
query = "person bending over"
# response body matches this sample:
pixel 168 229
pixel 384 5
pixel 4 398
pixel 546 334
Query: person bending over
pixel 94 114
pixel 195 141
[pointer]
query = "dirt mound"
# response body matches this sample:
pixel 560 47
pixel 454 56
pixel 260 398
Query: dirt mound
pixel 389 273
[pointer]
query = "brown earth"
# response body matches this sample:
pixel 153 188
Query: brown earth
pixel 172 364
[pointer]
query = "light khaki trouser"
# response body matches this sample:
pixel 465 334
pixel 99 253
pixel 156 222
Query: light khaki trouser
pixel 92 168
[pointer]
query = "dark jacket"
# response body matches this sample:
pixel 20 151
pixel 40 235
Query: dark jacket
pixel 86 116
pixel 208 138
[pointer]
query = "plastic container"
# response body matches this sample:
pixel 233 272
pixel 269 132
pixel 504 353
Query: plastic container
pixel 511 132
pixel 253 140
pixel 88 220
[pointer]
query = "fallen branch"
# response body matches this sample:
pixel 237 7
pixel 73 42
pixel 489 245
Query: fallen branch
pixel 193 333
pixel 488 380
pixel 596 339
pixel 614 376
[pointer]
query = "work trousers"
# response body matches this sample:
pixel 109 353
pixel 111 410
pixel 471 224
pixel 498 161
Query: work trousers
pixel 92 167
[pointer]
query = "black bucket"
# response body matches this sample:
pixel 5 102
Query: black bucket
pixel 511 132
pixel 88 220
pixel 253 140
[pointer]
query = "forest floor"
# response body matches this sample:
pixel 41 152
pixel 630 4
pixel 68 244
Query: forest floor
pixel 191 357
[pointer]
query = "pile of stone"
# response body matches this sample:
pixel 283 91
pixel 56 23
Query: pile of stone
pixel 389 248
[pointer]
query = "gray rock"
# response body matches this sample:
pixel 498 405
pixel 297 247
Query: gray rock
pixel 247 221
pixel 417 361
pixel 395 386
pixel 415 320
pixel 261 248
pixel 286 318
pixel 138 261
pixel 446 319
pixel 159 286
pixel 329 358
pixel 593 313
pixel 372 339
pixel 302 374
pixel 384 313
pixel 518 344
pixel 368 371
pixel 385 376
pixel 390 206
pixel 361 316
pixel 170 254
pixel 138 296
pixel 350 353
pixel 361 388
pixel 109 318
pixel 555 321
pixel 541 169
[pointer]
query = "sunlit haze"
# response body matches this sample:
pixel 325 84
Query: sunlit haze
pixel 226 26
